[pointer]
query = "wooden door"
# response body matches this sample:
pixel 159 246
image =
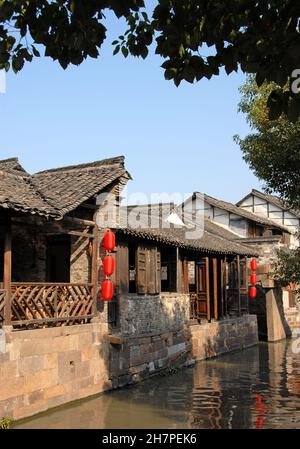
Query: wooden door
pixel 200 300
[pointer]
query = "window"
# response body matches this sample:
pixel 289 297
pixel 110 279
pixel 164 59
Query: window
pixel 132 267
pixel 144 269
pixel 168 269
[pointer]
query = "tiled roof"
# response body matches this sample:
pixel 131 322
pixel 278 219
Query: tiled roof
pixel 17 191
pixel 232 208
pixel 211 240
pixel 272 199
pixel 68 187
pixel 54 193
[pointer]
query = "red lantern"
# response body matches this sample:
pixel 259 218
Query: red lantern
pixel 253 279
pixel 107 291
pixel 109 241
pixel 109 265
pixel 253 292
pixel 253 265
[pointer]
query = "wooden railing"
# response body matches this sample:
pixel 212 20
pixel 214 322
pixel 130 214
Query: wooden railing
pixel 2 304
pixel 38 304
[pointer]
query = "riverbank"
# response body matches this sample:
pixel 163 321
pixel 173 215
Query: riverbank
pixel 255 388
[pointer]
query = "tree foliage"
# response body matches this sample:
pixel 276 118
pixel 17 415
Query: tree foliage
pixel 196 38
pixel 287 267
pixel 273 149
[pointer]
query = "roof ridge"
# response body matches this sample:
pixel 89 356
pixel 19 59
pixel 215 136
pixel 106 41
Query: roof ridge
pixel 118 160
pixel 10 159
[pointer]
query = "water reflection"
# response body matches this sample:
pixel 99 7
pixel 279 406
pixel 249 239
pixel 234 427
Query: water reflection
pixel 256 388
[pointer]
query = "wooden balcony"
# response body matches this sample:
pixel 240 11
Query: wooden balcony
pixel 42 304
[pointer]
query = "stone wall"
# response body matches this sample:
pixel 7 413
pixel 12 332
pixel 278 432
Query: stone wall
pixel 211 340
pixel 137 358
pixel 29 249
pixel 41 369
pixel 140 315
pixel 81 261
pixel 29 254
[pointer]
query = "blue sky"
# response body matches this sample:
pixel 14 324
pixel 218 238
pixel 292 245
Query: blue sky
pixel 174 139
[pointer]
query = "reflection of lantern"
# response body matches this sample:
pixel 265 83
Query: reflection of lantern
pixel 109 265
pixel 253 279
pixel 253 265
pixel 109 241
pixel 107 291
pixel 253 292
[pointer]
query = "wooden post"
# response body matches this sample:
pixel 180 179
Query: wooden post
pixel 7 273
pixel 222 267
pixel 239 284
pixel 246 282
pixel 95 266
pixel 215 280
pixel 208 290
pixel 225 286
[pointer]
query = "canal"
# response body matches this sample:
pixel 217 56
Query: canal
pixel 256 388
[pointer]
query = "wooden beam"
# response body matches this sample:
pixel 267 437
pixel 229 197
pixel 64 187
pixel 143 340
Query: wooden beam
pixel 222 267
pixel 225 285
pixel 208 290
pixel 95 266
pixel 215 281
pixel 76 233
pixel 7 273
pixel 239 284
pixel 80 221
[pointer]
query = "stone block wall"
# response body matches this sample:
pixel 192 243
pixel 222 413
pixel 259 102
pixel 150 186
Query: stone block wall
pixel 140 315
pixel 139 358
pixel 41 369
pixel 217 338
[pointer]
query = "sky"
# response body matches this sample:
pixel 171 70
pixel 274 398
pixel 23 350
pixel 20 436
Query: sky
pixel 174 139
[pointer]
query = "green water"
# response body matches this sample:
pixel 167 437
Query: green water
pixel 255 388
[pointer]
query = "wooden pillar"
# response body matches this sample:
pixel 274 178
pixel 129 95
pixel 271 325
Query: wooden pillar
pixel 222 283
pixel 225 267
pixel 239 284
pixel 208 289
pixel 215 281
pixel 7 273
pixel 179 273
pixel 95 266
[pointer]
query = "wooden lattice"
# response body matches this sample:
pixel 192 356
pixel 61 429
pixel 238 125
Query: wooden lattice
pixel 34 304
pixel 2 303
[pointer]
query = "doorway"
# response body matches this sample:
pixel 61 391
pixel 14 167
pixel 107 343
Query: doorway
pixel 58 259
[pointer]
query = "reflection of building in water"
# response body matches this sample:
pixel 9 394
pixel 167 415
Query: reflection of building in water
pixel 278 388
pixel 222 389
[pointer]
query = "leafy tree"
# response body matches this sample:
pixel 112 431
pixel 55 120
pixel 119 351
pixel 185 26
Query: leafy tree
pixel 273 149
pixel 287 267
pixel 260 37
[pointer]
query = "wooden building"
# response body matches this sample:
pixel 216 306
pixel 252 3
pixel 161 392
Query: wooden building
pixel 177 300
pixel 49 241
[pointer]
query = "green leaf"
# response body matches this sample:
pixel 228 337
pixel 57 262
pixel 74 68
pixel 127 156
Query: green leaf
pixel 125 51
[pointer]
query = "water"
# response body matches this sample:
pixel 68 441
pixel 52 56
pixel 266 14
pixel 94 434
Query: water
pixel 255 388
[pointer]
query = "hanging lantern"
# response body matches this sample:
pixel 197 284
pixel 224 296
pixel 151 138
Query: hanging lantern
pixel 107 291
pixel 109 265
pixel 253 292
pixel 253 265
pixel 253 279
pixel 109 241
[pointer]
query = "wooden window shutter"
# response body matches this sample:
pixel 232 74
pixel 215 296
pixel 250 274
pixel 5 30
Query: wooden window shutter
pixel 142 263
pixel 158 271
pixel 173 270
pixel 151 271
